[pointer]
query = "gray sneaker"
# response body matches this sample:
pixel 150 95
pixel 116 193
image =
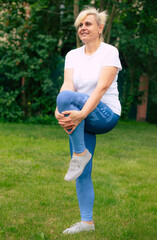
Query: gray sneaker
pixel 79 227
pixel 77 165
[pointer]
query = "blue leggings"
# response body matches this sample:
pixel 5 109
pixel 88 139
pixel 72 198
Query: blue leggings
pixel 101 120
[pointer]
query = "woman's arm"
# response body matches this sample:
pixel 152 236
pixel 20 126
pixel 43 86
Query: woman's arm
pixel 106 78
pixel 68 80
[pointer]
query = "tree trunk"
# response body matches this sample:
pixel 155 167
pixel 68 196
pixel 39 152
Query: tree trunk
pixel 76 11
pixel 24 101
pixel 101 5
pixel 142 108
pixel 107 33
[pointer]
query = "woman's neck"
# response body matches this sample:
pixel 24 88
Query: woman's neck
pixel 91 47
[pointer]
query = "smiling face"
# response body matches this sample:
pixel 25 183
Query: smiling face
pixel 89 30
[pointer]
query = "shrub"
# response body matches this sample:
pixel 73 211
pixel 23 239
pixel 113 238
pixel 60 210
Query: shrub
pixel 9 108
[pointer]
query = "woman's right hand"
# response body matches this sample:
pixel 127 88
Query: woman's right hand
pixel 64 121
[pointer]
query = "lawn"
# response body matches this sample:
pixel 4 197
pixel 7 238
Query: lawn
pixel 37 204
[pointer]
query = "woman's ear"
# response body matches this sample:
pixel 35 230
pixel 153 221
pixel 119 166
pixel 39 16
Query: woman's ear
pixel 101 27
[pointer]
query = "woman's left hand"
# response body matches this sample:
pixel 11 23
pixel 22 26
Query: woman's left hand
pixel 75 116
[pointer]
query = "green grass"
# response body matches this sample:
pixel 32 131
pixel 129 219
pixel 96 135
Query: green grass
pixel 37 204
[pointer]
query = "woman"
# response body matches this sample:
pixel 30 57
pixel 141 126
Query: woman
pixel 87 105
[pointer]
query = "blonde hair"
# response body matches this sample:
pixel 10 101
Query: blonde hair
pixel 100 17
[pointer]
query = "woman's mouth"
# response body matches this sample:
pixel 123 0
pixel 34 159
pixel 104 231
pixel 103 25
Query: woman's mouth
pixel 83 33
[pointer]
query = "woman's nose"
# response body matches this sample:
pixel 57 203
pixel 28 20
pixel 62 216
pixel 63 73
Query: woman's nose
pixel 83 26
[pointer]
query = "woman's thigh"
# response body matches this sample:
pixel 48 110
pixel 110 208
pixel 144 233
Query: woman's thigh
pixel 101 120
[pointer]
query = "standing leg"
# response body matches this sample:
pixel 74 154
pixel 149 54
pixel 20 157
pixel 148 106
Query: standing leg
pixel 85 191
pixel 84 185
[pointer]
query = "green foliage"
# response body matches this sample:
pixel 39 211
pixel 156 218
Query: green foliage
pixel 126 97
pixel 35 37
pixel 42 119
pixel 9 108
pixel 28 54
pixel 129 96
pixel 133 32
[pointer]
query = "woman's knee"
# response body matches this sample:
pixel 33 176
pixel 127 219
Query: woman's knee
pixel 64 98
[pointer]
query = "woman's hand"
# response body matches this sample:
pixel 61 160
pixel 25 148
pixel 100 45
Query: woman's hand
pixel 58 115
pixel 64 121
pixel 71 120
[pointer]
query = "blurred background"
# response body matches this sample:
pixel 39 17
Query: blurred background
pixel 35 37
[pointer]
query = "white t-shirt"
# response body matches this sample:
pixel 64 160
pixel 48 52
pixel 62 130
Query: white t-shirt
pixel 87 70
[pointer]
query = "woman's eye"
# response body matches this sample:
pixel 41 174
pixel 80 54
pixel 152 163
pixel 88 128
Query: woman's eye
pixel 88 23
pixel 80 25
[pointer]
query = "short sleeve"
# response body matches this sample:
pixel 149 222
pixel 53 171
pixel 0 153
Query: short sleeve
pixel 69 61
pixel 112 59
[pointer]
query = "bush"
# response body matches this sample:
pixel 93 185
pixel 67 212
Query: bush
pixel 9 108
pixel 29 61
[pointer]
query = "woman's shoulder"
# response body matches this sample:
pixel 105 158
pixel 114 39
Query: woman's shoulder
pixel 108 47
pixel 75 51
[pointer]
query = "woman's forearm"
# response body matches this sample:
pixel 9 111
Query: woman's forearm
pixel 92 102
pixel 68 81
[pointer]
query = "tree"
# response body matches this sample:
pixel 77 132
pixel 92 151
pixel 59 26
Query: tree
pixel 30 44
pixel 36 35
pixel 136 32
pixel 76 11
pixel 131 27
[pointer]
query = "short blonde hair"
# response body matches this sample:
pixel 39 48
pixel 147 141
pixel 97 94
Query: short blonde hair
pixel 101 17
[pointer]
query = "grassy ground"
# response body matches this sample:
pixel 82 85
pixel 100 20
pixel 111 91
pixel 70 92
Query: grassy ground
pixel 37 204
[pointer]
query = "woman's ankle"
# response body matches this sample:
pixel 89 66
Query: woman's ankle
pixel 79 154
pixel 89 222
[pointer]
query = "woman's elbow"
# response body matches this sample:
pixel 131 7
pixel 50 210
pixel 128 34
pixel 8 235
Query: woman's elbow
pixel 102 90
